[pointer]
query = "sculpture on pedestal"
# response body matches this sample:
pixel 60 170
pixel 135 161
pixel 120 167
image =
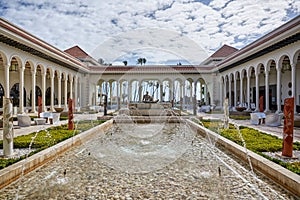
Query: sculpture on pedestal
pixel 287 149
pixel 8 134
pixel 70 115
pixel 226 114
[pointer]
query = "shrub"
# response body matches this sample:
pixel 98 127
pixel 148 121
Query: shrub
pixel 256 141
pixel 46 138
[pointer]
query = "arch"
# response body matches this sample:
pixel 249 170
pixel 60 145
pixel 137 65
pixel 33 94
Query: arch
pixel 38 93
pixel 3 58
pixel 282 60
pixel 250 71
pixel 296 56
pixel 48 96
pixel 15 60
pixel 29 64
pixel 243 73
pixel 15 94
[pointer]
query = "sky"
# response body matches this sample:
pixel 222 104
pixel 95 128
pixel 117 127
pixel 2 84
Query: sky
pixel 162 31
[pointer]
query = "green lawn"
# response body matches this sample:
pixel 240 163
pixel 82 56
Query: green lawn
pixel 47 138
pixel 255 141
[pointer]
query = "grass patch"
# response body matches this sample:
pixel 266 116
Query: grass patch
pixel 239 117
pixel 47 138
pixel 256 141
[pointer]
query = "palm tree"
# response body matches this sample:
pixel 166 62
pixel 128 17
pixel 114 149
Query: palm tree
pixel 140 61
pixel 144 60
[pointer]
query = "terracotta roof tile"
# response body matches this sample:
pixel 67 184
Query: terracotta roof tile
pixel 77 52
pixel 224 51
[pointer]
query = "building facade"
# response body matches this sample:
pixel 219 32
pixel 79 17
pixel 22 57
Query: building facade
pixel 266 70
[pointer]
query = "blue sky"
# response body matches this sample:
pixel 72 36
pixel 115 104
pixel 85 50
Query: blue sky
pixel 163 31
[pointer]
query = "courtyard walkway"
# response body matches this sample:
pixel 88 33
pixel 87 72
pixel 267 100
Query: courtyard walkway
pixel 277 131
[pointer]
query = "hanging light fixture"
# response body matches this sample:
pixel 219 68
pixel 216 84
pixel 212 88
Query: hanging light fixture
pixel 286 67
pixel 13 67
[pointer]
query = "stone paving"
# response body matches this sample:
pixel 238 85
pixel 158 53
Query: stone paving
pixel 202 172
pixel 78 175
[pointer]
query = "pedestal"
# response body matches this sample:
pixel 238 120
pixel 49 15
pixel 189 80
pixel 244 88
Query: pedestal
pixel 8 134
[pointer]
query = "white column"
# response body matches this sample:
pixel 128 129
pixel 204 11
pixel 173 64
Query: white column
pixel 33 95
pixel 101 92
pixel 118 95
pixel 59 89
pixel 52 92
pixel 129 91
pixel 44 91
pixel 140 92
pixel 6 85
pixel 71 88
pixel 248 91
pixel 206 94
pixel 278 90
pixel 121 93
pixel 267 90
pixel 200 90
pixel 257 90
pixel 191 92
pixel 221 91
pixel 229 91
pixel 76 91
pixel 96 94
pixel 234 88
pixel 21 89
pixel 241 88
pixel 161 91
pixel 66 93
pixel 293 65
pixel 183 96
pixel 110 92
pixel 225 88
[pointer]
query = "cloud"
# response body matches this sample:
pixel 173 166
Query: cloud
pixel 90 23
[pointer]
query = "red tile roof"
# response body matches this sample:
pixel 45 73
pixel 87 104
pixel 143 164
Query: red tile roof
pixel 149 68
pixel 26 35
pixel 224 51
pixel 77 52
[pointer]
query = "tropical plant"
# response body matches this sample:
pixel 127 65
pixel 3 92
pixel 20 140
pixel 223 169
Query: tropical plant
pixel 141 61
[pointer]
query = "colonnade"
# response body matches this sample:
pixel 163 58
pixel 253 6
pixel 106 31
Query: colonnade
pixel 61 83
pixel 184 91
pixel 271 79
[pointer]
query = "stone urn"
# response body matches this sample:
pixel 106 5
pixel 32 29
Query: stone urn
pixel 59 110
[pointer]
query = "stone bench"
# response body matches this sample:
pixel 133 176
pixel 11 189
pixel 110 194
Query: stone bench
pixel 24 120
pixel 52 117
pixel 39 121
pixel 257 118
pixel 274 119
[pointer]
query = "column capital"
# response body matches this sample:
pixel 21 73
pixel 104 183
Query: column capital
pixel 44 73
pixel 33 71
pixel 22 68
